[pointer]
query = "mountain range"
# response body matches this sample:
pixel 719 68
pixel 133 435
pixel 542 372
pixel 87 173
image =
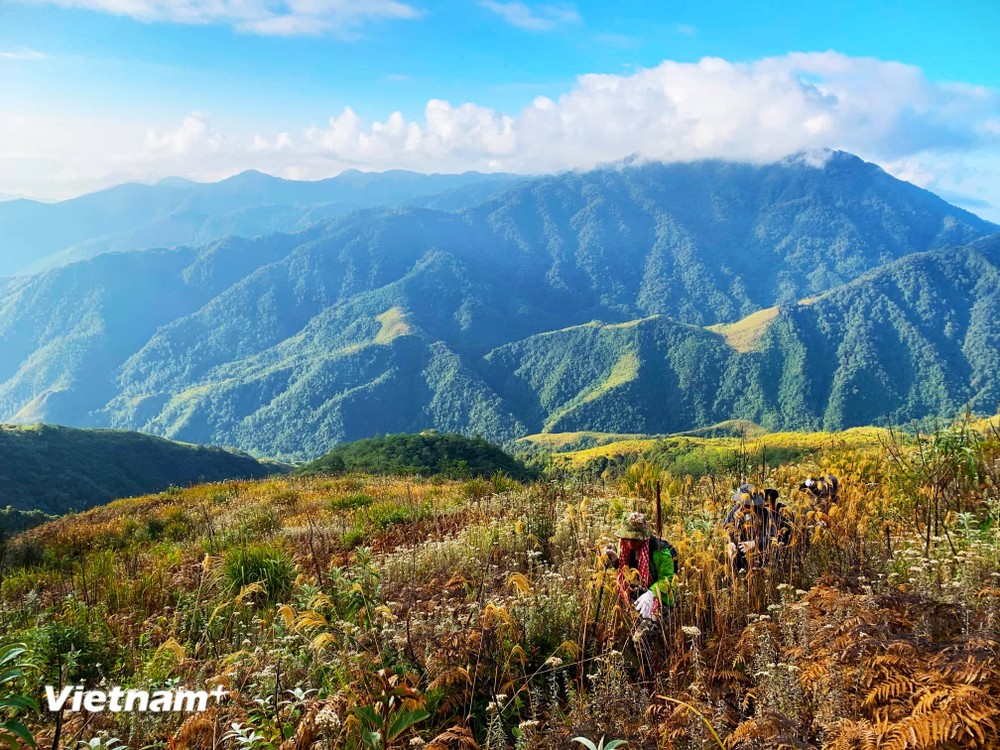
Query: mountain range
pixel 646 298
pixel 176 211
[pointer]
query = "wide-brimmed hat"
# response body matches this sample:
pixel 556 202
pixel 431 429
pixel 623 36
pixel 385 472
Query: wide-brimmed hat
pixel 747 494
pixel 635 526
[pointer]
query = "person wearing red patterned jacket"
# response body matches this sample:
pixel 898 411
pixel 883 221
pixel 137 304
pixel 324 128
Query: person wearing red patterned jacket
pixel 646 567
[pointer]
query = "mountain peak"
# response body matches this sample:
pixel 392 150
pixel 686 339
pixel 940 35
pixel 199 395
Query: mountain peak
pixel 816 157
pixel 176 182
pixel 250 177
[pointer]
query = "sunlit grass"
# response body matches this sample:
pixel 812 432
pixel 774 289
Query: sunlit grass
pixel 480 592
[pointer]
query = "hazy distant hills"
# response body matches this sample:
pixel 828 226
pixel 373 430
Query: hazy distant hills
pixel 481 319
pixel 35 236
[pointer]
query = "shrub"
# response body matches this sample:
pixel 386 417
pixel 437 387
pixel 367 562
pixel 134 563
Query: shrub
pixel 385 514
pixel 256 522
pixel 261 564
pixel 477 489
pixel 352 538
pixel 286 498
pixel 153 530
pixel 25 553
pixel 349 502
pixel 178 525
pixel 503 483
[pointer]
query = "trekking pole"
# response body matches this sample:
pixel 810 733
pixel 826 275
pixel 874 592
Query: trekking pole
pixel 659 516
pixel 597 614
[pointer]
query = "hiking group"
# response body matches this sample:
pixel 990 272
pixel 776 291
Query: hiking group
pixel 759 527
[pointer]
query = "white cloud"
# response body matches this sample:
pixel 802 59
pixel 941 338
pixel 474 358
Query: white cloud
pixel 25 55
pixel 541 17
pixel 192 137
pixel 941 136
pixel 679 111
pixel 265 17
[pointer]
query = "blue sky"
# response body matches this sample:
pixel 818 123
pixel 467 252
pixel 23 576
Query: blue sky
pixel 100 91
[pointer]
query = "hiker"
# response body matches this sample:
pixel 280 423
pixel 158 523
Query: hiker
pixel 824 491
pixel 655 561
pixel 753 529
pixel 780 517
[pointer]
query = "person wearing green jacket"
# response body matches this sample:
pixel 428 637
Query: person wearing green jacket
pixel 654 561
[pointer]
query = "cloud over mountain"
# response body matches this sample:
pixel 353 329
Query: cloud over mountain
pixel 756 111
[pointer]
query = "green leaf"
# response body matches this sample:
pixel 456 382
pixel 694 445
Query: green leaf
pixel 19 702
pixel 10 653
pixel 615 743
pixel 585 742
pixel 404 720
pixel 15 729
pixel 367 714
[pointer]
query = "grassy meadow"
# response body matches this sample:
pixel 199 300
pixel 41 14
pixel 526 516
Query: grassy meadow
pixel 355 611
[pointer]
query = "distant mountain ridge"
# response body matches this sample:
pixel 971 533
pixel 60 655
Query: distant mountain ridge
pixel 484 320
pixel 175 211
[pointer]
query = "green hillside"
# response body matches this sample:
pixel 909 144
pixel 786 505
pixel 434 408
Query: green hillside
pixel 653 299
pixel 425 454
pixel 14 521
pixel 919 337
pixel 60 469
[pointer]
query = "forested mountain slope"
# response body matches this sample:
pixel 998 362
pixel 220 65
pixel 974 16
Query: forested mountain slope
pixel 483 320
pixel 61 469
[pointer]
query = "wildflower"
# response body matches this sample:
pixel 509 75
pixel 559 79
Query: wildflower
pixel 691 630
pixel 417 742
pixel 327 718
pixel 553 661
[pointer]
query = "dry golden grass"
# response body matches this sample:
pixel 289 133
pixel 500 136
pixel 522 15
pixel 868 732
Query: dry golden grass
pixel 857 437
pixel 876 628
pixel 745 334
